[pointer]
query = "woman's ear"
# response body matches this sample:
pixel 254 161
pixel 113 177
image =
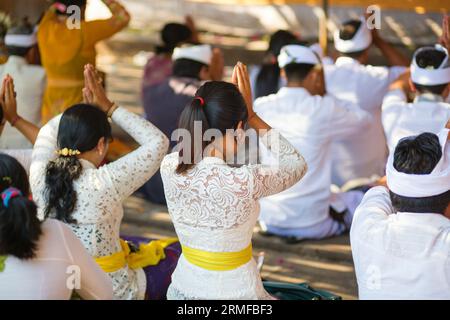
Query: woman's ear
pixel 102 146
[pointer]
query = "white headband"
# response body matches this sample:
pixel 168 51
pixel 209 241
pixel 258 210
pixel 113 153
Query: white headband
pixel 21 40
pixel 360 41
pixel 200 53
pixel 422 185
pixel 431 77
pixel 294 53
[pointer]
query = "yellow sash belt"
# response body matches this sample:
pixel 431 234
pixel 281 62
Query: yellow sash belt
pixel 217 261
pixel 149 254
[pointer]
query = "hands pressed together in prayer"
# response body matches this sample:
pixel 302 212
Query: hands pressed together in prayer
pixel 8 100
pixel 241 79
pixel 93 91
pixel 8 104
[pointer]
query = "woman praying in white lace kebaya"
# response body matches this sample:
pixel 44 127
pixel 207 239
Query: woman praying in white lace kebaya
pixel 70 185
pixel 213 205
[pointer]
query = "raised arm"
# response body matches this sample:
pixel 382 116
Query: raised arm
pixel 394 56
pixel 9 105
pixel 290 166
pixel 130 172
pixel 98 30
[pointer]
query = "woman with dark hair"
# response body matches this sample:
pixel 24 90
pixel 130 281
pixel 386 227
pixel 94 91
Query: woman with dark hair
pixel 69 184
pixel 214 204
pixel 38 258
pixel 159 66
pixel 266 78
pixel 67 43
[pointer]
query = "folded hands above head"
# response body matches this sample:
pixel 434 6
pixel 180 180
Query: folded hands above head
pixel 9 106
pixel 94 92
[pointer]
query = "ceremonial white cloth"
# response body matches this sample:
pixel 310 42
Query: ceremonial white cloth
pixel 364 153
pixel 201 53
pixel 428 113
pixel 361 40
pixel 431 77
pixel 310 123
pixel 297 54
pixel 422 185
pixel 399 255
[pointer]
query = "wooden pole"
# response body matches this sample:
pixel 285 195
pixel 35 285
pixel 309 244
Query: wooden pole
pixel 323 30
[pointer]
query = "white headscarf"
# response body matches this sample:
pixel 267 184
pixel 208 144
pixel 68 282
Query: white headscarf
pixel 199 53
pixel 360 41
pixel 422 185
pixel 431 76
pixel 295 53
pixel 21 40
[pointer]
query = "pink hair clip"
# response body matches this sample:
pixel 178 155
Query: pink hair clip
pixel 202 101
pixel 61 7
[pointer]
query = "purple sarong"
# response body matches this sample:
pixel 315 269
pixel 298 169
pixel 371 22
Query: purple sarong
pixel 158 277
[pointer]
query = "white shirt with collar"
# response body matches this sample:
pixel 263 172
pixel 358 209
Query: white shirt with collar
pixel 310 123
pixel 428 113
pixel 399 255
pixel 29 83
pixel 364 153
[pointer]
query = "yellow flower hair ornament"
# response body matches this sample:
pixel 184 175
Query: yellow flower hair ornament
pixel 66 152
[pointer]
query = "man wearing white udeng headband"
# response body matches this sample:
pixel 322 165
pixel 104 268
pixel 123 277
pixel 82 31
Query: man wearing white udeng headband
pixel 363 154
pixel 400 236
pixel 311 120
pixel 29 83
pixel 430 79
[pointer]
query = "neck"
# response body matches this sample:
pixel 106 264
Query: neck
pixel 295 84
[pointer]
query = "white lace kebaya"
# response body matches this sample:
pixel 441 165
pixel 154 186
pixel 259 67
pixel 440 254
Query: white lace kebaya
pixel 214 208
pixel 101 191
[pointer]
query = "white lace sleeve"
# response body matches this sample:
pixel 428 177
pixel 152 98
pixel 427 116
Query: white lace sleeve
pixel 289 168
pixel 130 172
pixel 43 152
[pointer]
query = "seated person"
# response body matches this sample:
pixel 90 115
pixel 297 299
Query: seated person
pixel 29 81
pixel 159 66
pixel 430 79
pixel 163 103
pixel 38 258
pixel 400 235
pixel 8 113
pixel 363 154
pixel 70 184
pixel 311 120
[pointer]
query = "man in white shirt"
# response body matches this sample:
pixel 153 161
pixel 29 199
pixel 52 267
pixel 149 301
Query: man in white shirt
pixel 29 82
pixel 310 119
pixel 430 79
pixel 363 154
pixel 400 236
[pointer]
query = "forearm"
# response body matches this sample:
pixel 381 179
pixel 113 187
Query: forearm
pixel 394 56
pixel 29 130
pixel 118 11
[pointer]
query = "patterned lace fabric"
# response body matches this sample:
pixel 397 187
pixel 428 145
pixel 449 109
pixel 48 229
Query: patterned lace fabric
pixel 101 191
pixel 214 208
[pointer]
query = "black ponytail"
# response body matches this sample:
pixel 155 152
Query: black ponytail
pixel 61 196
pixel 20 227
pixel 81 127
pixel 217 105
